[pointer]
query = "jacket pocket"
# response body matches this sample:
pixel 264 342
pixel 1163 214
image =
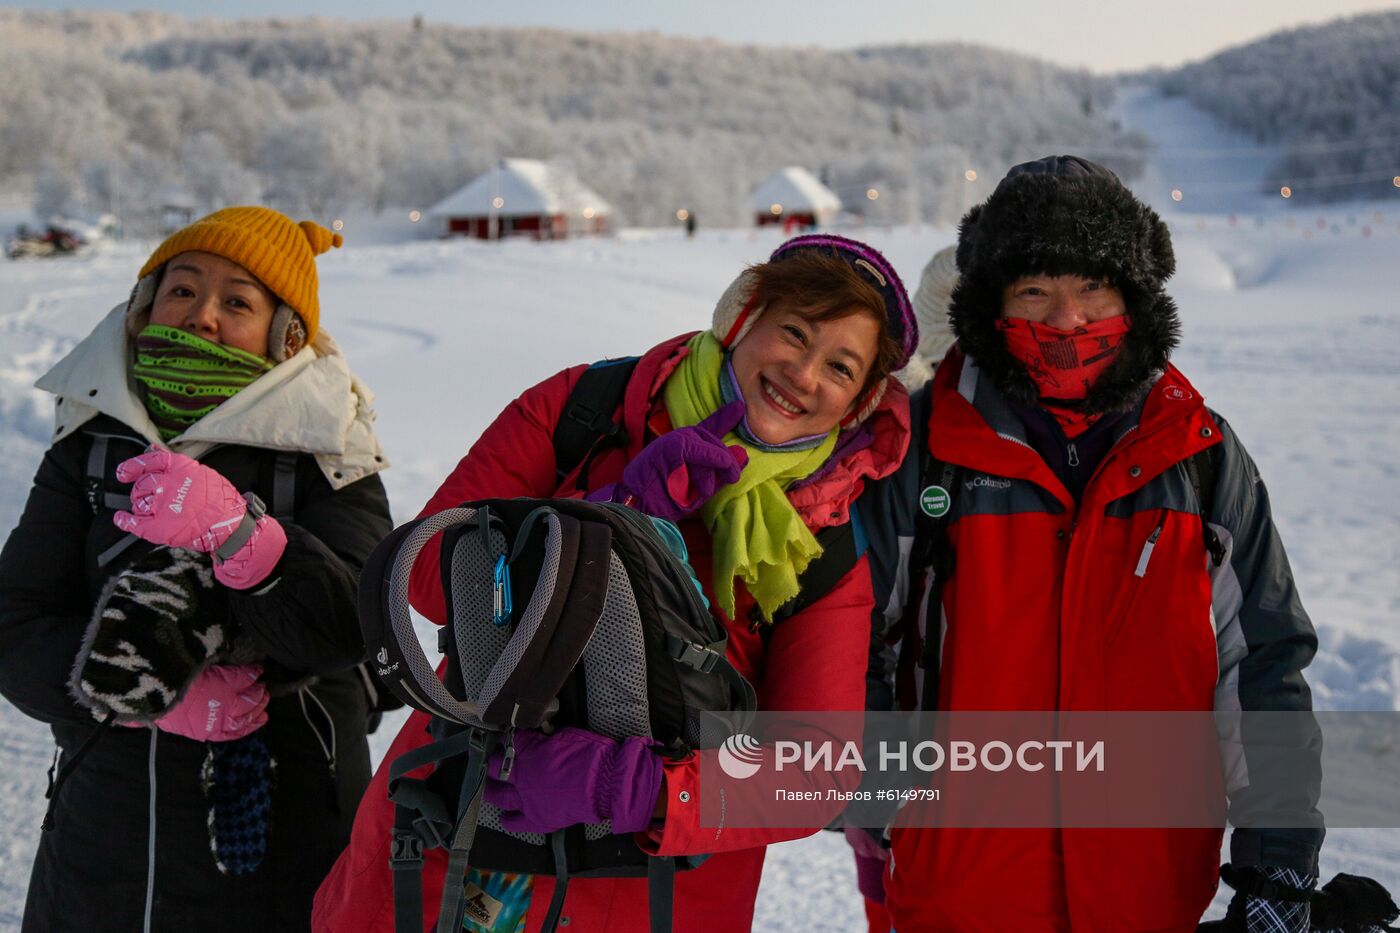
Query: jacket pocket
pixel 1138 581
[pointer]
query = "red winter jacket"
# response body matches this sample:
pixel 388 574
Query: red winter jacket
pixel 813 661
pixel 1056 606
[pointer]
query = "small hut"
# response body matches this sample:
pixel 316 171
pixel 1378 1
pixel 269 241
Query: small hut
pixel 177 207
pixel 793 197
pixel 523 197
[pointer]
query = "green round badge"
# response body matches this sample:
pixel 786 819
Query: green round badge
pixel 935 501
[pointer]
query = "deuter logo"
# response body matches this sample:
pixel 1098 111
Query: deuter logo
pixel 740 756
pixel 178 505
pixel 383 656
pixel 385 668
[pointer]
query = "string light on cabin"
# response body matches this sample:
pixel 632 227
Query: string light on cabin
pixel 1286 191
pixel 682 215
pixel 872 194
pixel 498 203
pixel 970 174
pixel 414 216
pixel 1396 181
pixel 1176 194
pixel 337 225
pixel 588 213
pixel 776 210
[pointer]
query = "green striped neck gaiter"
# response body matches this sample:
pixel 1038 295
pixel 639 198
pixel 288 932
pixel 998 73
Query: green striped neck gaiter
pixel 186 377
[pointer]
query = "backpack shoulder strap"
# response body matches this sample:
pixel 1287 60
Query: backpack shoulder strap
pixel 284 485
pixel 938 489
pixel 99 496
pixel 588 414
pixel 1202 470
pixel 842 547
pixel 97 472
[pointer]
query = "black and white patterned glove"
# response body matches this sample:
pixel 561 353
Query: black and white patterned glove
pixel 1282 913
pixel 156 625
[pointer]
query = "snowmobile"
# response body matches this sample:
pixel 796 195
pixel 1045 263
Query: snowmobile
pixel 54 241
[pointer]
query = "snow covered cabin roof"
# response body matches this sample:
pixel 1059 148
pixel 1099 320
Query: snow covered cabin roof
pixel 527 188
pixel 796 189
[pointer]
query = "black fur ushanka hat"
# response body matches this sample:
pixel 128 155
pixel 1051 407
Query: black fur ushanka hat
pixel 1063 215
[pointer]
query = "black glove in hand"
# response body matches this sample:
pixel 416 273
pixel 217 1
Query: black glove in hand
pixel 156 625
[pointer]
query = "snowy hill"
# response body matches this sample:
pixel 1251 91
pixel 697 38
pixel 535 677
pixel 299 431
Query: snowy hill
pixel 102 110
pixel 1325 95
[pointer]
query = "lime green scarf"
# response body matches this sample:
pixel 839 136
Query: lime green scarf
pixel 186 377
pixel 758 536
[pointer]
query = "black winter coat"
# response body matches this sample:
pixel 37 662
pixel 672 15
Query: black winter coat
pixel 91 869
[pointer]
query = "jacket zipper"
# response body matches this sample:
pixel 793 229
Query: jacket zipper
pixel 1073 451
pixel 1147 549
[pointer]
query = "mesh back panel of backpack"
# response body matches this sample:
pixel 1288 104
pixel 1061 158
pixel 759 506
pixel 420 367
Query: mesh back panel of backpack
pixel 418 662
pixel 530 619
pixel 479 641
pixel 615 670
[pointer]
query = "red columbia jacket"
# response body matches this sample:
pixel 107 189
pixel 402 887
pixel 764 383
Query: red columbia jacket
pixel 815 660
pixel 1109 604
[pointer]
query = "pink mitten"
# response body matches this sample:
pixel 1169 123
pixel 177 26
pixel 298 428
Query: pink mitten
pixel 254 562
pixel 222 704
pixel 180 502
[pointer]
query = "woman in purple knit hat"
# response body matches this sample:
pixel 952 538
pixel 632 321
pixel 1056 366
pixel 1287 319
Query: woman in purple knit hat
pixel 752 436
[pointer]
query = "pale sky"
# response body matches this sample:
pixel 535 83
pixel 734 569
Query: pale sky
pixel 1101 35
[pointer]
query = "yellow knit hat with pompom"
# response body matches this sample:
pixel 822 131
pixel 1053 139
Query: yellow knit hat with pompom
pixel 280 252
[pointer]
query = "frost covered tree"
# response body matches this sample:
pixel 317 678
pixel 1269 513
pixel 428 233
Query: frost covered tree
pixel 1325 94
pixel 318 115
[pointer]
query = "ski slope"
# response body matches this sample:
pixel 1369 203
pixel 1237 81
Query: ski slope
pixel 1294 338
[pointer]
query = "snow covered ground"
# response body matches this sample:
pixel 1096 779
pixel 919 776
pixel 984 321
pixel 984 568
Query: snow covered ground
pixel 1292 330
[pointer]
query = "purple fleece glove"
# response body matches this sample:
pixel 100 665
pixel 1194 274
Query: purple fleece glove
pixel 871 859
pixel 678 472
pixel 575 776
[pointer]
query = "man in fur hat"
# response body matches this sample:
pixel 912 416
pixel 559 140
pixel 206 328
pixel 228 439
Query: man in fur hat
pixel 1105 544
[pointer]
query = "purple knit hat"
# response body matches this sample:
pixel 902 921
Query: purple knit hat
pixel 874 267
pixel 734 314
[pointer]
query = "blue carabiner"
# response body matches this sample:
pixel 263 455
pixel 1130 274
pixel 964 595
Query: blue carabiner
pixel 500 592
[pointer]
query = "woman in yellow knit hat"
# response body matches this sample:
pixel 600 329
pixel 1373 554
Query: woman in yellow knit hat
pixel 185 568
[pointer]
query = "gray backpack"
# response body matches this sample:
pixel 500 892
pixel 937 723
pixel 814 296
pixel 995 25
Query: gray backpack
pixel 560 613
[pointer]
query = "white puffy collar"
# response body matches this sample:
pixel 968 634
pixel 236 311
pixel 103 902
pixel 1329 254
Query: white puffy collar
pixel 311 403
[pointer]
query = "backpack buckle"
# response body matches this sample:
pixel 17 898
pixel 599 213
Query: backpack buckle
pixel 405 851
pixel 593 419
pixel 691 654
pixel 94 493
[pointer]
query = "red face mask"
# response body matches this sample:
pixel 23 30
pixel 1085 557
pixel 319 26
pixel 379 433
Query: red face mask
pixel 1064 364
